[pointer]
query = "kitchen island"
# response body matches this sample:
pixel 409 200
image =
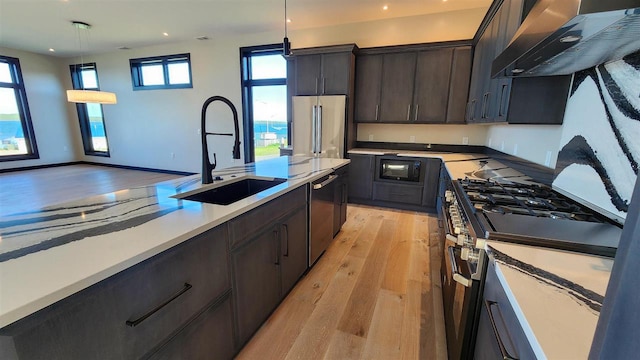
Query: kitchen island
pixel 49 254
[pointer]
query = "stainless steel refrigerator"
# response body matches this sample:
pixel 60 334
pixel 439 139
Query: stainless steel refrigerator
pixel 318 125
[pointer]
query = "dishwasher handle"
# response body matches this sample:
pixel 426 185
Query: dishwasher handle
pixel 331 179
pixel 503 350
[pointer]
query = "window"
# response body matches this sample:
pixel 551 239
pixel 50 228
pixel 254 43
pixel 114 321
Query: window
pixel 17 140
pixel 92 129
pixel 161 72
pixel 264 101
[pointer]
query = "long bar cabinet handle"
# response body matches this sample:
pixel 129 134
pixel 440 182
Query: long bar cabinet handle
pixel 136 322
pixel 408 112
pixel 285 231
pixel 503 350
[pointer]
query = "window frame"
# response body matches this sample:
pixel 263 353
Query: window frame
pixel 23 110
pixel 164 60
pixel 83 113
pixel 247 95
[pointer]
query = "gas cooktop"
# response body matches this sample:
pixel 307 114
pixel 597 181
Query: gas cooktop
pixel 536 215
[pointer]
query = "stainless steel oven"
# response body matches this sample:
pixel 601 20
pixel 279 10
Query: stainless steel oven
pixel 462 272
pixel 399 169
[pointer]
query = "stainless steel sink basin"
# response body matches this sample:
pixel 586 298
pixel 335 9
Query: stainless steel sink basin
pixel 232 192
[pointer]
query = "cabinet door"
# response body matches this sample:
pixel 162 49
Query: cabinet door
pixel 400 193
pixel 209 336
pixel 476 87
pixel 459 85
pixel 368 87
pixel 431 88
pixel 361 176
pixel 398 73
pixel 293 248
pixel 336 69
pixel 308 74
pixel 431 182
pixel 256 289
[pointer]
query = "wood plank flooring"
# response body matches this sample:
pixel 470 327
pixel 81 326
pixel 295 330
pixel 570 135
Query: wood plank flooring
pixel 33 189
pixel 374 294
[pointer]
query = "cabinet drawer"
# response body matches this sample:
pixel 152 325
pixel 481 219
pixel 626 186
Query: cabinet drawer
pixel 497 310
pixel 96 323
pixel 209 336
pixel 408 194
pixel 243 227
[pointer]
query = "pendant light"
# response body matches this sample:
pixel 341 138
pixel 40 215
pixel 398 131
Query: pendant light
pixel 88 96
pixel 286 45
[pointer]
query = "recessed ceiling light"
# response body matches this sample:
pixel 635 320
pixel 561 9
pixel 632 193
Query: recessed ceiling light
pixel 165 34
pixel 385 7
pixel 288 20
pixel 52 50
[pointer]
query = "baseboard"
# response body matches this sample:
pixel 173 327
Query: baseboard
pixel 126 167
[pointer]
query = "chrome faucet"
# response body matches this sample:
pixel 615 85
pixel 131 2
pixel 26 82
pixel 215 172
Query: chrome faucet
pixel 207 166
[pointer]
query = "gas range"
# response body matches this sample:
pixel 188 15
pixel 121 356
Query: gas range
pixel 535 215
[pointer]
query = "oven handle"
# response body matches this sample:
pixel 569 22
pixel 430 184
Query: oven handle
pixel 503 350
pixel 457 277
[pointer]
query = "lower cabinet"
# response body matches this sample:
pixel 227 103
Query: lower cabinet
pixel 270 257
pixel 431 183
pixel 361 172
pixel 209 336
pixel 131 313
pixel 398 193
pixel 340 199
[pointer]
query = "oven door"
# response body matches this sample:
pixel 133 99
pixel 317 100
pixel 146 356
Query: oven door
pixel 460 295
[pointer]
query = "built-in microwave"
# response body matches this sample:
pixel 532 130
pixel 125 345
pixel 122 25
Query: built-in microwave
pixel 394 168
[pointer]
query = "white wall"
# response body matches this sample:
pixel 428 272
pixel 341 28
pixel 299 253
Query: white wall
pixel 424 134
pixel 55 135
pixel 537 143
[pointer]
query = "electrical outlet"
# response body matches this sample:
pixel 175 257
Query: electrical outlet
pixel 465 140
pixel 173 155
pixel 502 146
pixel 370 137
pixel 490 141
pixel 199 131
pixel 515 149
pixel 412 139
pixel 64 148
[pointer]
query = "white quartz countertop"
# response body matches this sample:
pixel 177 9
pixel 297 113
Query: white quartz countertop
pixel 48 254
pixel 557 295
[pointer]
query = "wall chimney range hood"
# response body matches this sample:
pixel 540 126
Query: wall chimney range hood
pixel 560 37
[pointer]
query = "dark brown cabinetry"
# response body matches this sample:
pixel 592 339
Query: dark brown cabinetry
pixel 361 172
pixel 340 198
pixel 268 256
pixel 431 181
pixel 128 315
pixel 413 84
pixel 502 99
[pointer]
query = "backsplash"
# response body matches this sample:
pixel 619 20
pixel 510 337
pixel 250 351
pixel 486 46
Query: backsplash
pixel 600 144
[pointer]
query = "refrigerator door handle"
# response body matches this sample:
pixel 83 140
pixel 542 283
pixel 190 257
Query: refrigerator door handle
pixel 314 121
pixel 319 129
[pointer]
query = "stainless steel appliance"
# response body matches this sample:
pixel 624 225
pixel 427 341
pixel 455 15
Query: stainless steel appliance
pixel 476 210
pixel 394 168
pixel 318 125
pixel 560 37
pixel 321 216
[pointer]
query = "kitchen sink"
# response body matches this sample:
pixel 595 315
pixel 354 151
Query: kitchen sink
pixel 232 192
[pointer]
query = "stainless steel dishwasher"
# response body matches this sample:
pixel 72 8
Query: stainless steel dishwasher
pixel 321 217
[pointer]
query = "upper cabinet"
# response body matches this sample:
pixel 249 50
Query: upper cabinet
pixel 413 84
pixel 324 73
pixel 503 99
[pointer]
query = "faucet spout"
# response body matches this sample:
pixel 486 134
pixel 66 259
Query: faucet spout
pixel 208 166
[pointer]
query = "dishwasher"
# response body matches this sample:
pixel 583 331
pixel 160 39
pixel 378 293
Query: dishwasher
pixel 321 216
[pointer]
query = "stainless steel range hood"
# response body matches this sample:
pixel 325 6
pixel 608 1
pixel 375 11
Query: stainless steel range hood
pixel 560 37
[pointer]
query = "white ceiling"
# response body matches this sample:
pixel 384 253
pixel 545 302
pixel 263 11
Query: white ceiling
pixel 37 25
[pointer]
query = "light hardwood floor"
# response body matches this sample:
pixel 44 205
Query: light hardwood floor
pixel 374 294
pixel 33 189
